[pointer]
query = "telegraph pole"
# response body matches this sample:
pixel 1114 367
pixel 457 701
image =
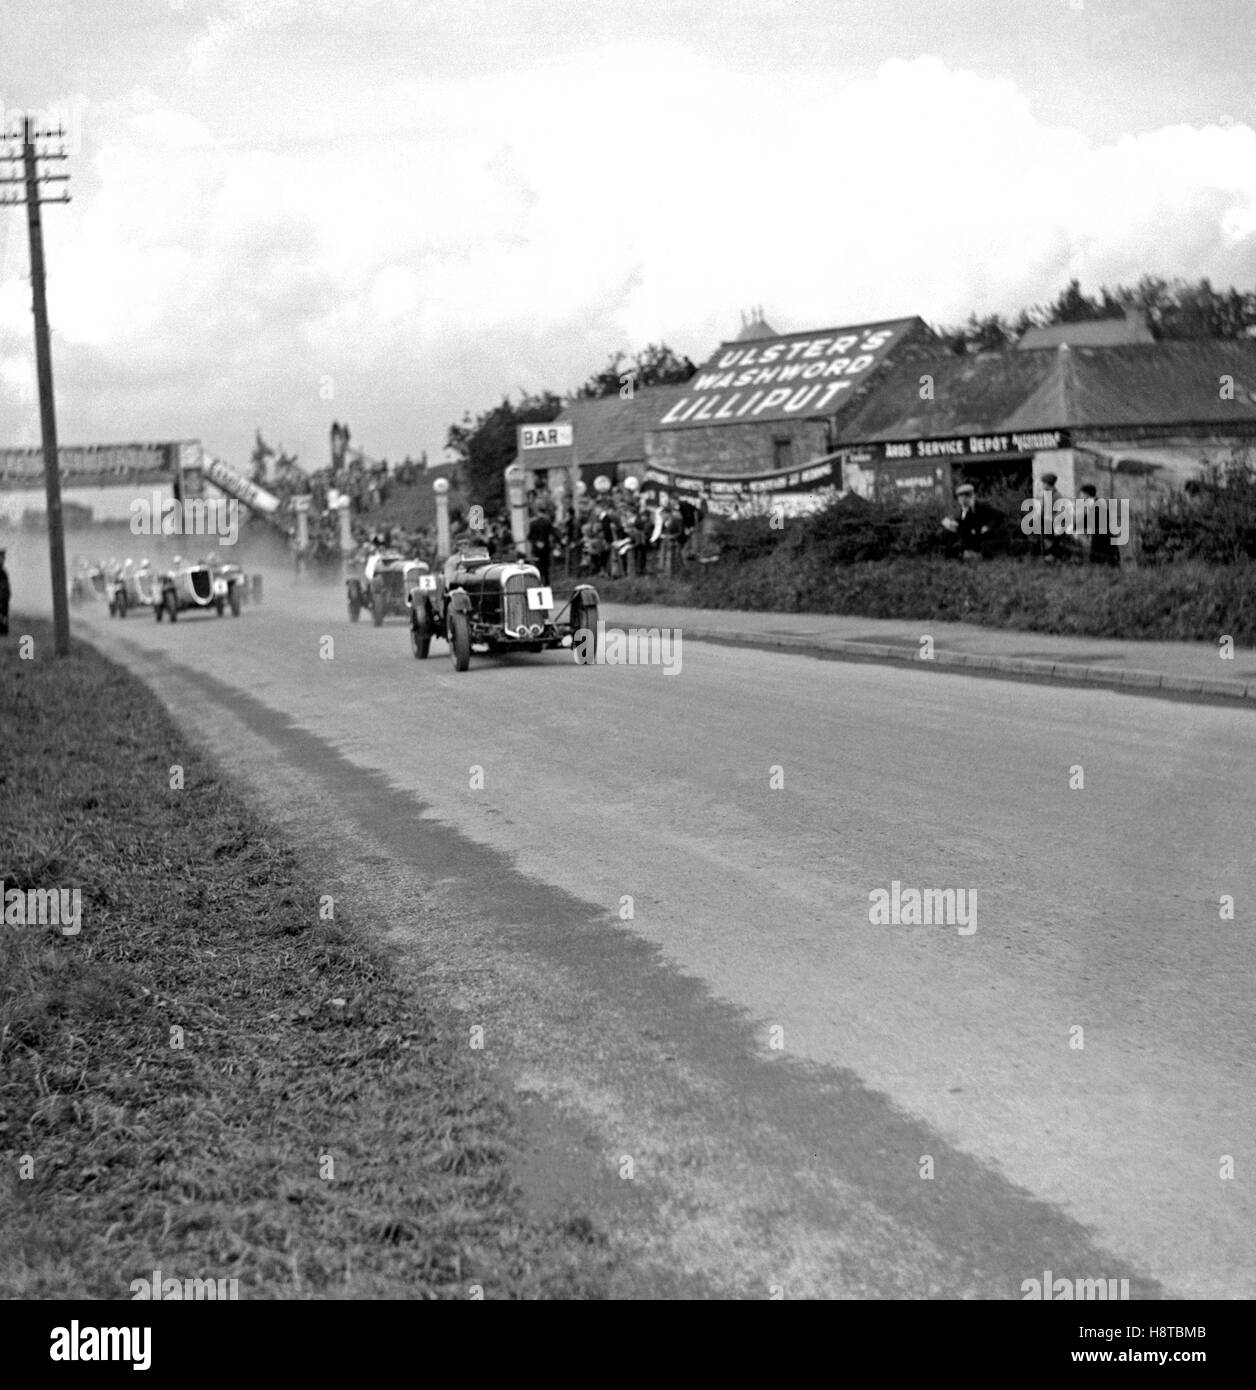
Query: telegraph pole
pixel 29 180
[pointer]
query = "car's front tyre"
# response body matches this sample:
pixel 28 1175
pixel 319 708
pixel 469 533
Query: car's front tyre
pixel 420 635
pixel 459 640
pixel 584 618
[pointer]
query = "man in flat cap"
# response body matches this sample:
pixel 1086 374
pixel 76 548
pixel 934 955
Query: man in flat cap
pixel 975 527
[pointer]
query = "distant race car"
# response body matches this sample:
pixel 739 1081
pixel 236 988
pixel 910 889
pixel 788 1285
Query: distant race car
pixel 382 585
pixel 195 586
pixel 232 573
pixel 134 587
pixel 496 607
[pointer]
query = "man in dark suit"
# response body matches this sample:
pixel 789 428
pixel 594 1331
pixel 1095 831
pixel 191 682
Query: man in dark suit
pixel 976 527
pixel 541 539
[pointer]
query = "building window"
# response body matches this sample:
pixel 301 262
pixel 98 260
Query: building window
pixel 783 453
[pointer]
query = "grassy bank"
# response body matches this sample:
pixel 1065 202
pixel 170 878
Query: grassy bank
pixel 207 1079
pixel 1187 601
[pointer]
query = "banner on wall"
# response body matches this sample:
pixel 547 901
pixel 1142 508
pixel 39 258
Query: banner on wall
pixel 793 489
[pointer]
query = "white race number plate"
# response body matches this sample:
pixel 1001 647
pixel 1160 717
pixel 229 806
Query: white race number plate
pixel 426 582
pixel 540 599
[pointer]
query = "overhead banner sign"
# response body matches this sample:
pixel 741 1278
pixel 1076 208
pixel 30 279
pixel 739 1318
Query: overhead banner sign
pixel 793 376
pixel 544 437
pixel 94 465
pixel 238 486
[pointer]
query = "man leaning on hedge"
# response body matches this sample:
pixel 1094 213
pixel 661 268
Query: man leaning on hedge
pixel 976 529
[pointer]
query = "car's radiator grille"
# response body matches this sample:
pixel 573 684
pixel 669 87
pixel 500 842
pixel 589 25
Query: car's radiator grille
pixel 515 602
pixel 202 583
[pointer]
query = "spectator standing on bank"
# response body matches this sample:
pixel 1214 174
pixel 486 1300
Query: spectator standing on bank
pixel 541 540
pixel 642 526
pixel 673 531
pixel 1099 546
pixel 6 593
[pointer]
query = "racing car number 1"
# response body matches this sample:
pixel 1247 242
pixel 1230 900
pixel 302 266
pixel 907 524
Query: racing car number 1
pixel 540 599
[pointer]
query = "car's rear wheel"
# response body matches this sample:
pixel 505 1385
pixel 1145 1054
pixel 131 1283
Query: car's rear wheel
pixel 377 611
pixel 159 609
pixel 459 640
pixel 220 606
pixel 121 603
pixel 355 610
pixel 584 618
pixel 172 606
pixel 233 598
pixel 420 635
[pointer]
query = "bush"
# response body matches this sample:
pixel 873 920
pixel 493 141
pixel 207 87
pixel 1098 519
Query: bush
pixel 1212 519
pixel 1187 601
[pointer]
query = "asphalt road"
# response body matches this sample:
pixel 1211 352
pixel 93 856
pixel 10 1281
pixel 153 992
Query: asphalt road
pixel 782 1072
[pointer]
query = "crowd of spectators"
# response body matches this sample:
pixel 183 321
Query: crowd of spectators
pixel 366 482
pixel 613 534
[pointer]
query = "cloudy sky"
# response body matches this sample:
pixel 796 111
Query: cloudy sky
pixel 394 211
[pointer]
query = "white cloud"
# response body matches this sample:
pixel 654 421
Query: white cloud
pixel 513 229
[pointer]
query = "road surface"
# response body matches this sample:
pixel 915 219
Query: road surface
pixel 653 893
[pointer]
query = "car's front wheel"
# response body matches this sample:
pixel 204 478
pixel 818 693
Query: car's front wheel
pixel 584 618
pixel 459 640
pixel 234 599
pixel 122 603
pixel 377 611
pixel 420 635
pixel 172 606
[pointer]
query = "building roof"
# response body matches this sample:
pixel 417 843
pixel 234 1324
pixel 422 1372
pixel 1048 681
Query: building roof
pixel 1168 383
pixel 1132 328
pixel 609 430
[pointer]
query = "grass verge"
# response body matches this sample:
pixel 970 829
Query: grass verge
pixel 207 1079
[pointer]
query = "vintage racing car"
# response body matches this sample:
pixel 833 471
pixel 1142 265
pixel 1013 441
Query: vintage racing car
pixel 90 580
pixel 382 585
pixel 193 585
pixel 497 607
pixel 235 576
pixel 134 586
